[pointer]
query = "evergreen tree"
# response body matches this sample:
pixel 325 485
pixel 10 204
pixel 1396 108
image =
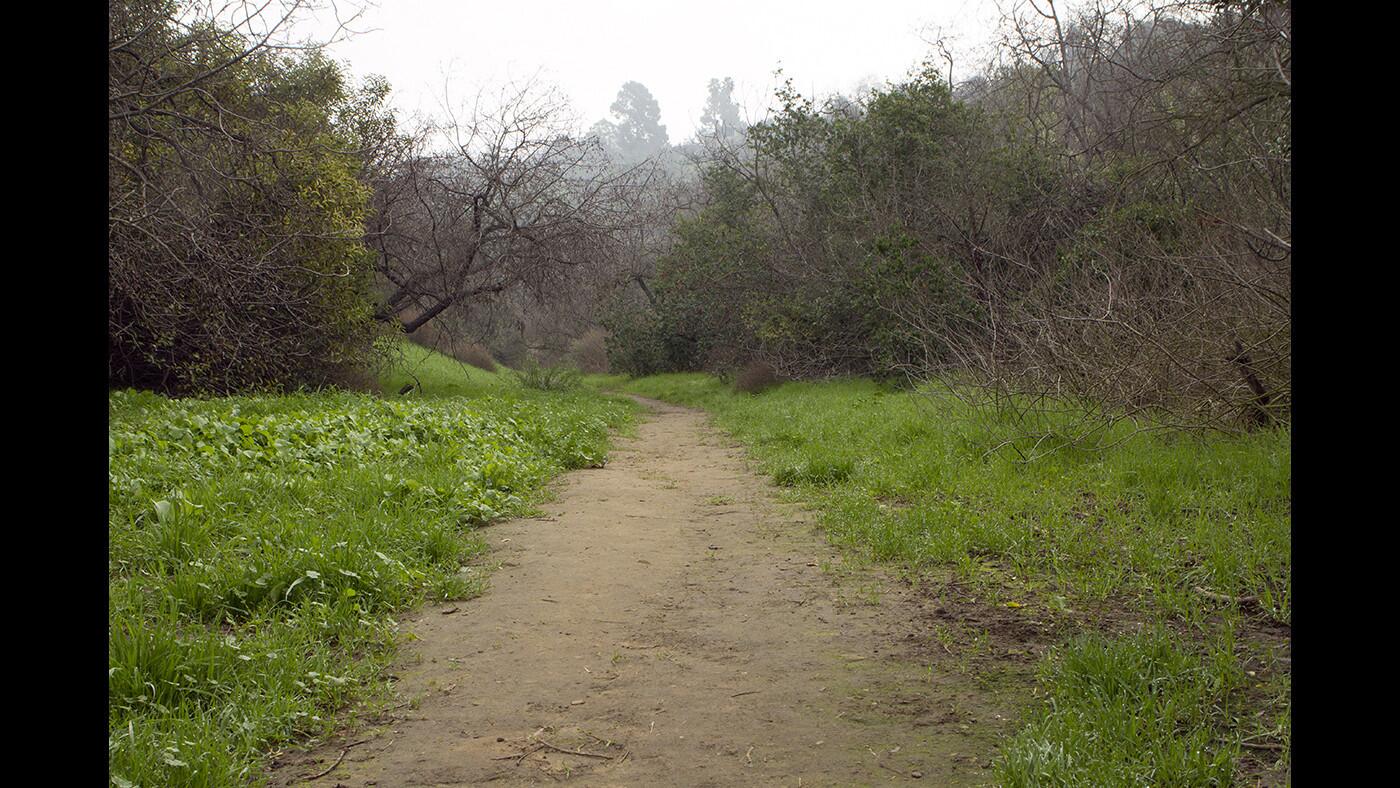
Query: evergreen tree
pixel 721 120
pixel 637 132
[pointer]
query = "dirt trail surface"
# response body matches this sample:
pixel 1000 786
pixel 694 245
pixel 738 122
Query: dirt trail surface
pixel 670 623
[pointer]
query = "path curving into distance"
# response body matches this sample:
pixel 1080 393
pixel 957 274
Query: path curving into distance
pixel 670 623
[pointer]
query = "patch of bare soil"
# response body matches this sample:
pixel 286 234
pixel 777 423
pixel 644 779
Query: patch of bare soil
pixel 671 623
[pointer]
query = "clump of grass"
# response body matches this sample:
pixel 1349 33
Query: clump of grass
pixel 1137 710
pixel 259 548
pixel 532 375
pixel 822 469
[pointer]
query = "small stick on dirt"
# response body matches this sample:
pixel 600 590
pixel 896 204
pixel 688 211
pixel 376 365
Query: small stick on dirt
pixel 602 741
pixel 574 752
pixel 746 692
pixel 343 752
pixel 882 765
pixel 1262 745
pixel 520 757
pixel 1239 600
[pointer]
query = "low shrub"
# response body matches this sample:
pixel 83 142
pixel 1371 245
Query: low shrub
pixel 756 376
pixel 477 356
pixel 590 352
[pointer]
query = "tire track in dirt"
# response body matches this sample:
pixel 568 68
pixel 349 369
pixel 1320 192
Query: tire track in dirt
pixel 670 623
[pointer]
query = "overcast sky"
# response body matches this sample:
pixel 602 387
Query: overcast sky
pixel 590 48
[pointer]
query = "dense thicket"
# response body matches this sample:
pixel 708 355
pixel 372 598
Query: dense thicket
pixel 237 206
pixel 1103 215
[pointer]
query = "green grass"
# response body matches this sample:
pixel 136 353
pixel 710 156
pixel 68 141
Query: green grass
pixel 1137 710
pixel 1134 531
pixel 434 374
pixel 261 546
pixel 602 381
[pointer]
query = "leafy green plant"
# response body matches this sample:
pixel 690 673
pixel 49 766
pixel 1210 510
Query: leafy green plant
pixel 260 547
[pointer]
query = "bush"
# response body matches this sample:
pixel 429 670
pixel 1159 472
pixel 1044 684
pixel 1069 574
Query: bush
pixel 590 351
pixel 756 376
pixel 235 211
pixel 477 356
pixel 641 340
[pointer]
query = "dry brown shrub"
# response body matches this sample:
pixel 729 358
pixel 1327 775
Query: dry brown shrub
pixel 477 356
pixel 355 378
pixel 755 377
pixel 442 339
pixel 590 352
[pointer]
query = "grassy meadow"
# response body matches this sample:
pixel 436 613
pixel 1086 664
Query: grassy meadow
pixel 261 546
pixel 1167 560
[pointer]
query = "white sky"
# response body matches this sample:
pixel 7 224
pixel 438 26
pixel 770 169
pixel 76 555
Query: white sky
pixel 590 47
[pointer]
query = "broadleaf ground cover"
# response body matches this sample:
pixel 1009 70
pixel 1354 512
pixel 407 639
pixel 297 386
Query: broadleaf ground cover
pixel 1165 559
pixel 260 547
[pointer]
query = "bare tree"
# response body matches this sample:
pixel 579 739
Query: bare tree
pixel 513 201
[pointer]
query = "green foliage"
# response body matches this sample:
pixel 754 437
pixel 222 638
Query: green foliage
pixel 787 262
pixel 648 341
pixel 236 210
pixel 720 121
pixel 638 131
pixel 260 547
pixel 1034 233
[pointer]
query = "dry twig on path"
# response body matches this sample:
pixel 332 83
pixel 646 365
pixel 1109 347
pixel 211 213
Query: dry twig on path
pixel 574 752
pixel 344 750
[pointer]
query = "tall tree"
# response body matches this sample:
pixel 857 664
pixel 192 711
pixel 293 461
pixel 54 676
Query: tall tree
pixel 512 202
pixel 637 132
pixel 720 120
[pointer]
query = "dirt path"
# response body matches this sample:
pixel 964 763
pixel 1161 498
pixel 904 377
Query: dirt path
pixel 674 621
